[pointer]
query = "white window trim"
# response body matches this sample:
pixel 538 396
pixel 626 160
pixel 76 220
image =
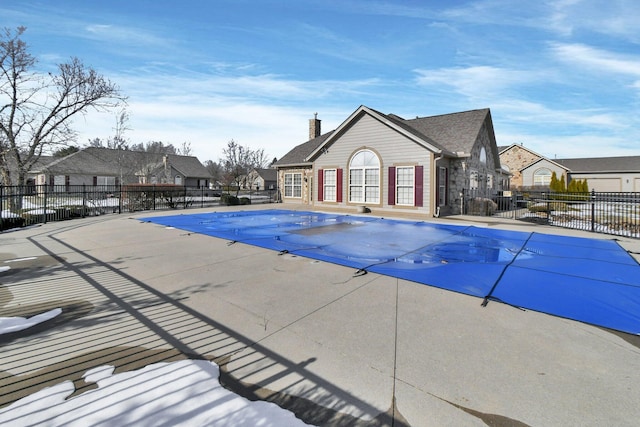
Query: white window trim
pixel 473 179
pixel 364 186
pixel 330 188
pixel 411 186
pixel 547 178
pixel 292 186
pixel 442 186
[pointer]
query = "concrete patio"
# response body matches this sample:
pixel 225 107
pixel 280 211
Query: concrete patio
pixel 333 347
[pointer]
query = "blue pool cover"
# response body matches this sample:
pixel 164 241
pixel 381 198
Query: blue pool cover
pixel 589 280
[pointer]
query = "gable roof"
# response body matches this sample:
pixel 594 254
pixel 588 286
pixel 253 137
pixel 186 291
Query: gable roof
pixel 450 134
pixel 455 132
pixel 94 160
pixel 393 121
pixel 298 155
pixel 105 162
pixel 543 160
pixel 506 148
pixel 602 164
pixel 188 166
pixel 268 174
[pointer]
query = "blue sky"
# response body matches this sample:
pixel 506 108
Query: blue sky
pixel 561 77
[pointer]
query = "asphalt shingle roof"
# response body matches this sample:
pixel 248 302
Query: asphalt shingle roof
pixel 455 132
pixel 105 161
pixel 189 166
pixel 298 154
pixel 602 164
pixel 268 174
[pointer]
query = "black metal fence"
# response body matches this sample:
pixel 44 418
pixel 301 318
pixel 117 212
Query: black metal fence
pixel 25 205
pixel 610 213
pixel 599 212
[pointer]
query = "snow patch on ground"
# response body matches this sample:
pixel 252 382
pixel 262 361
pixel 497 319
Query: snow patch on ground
pixel 178 393
pixel 15 324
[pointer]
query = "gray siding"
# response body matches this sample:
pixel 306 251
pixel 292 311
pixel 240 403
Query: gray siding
pixel 393 149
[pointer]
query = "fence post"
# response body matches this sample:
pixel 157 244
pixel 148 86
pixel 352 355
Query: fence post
pixel 84 199
pixel 185 196
pixel 545 199
pixel 1 204
pixel 593 210
pixel 119 198
pixel 153 192
pixel 46 192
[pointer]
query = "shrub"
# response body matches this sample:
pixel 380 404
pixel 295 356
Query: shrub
pixel 11 221
pixel 552 206
pixel 245 201
pixel 229 200
pixel 144 196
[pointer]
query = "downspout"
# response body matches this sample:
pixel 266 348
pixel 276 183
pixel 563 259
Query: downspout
pixel 436 159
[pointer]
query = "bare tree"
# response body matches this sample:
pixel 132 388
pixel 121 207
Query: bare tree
pixel 214 169
pixel 238 162
pixel 36 110
pixel 185 149
pixel 119 142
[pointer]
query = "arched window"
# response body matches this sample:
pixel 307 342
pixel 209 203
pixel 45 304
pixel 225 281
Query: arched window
pixel 483 156
pixel 542 177
pixel 364 177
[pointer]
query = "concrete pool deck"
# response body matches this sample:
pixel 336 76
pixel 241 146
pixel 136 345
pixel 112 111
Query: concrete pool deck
pixel 334 347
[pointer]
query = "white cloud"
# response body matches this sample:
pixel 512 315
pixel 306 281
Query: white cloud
pixel 476 82
pixel 612 18
pixel 128 36
pixel 260 111
pixel 597 59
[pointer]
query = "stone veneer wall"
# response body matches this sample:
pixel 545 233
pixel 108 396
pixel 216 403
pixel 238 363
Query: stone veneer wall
pixel 460 168
pixel 516 158
pixel 307 182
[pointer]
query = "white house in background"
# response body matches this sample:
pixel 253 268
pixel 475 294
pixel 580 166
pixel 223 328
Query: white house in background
pixel 390 164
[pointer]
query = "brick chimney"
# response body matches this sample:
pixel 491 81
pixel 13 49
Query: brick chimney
pixel 314 127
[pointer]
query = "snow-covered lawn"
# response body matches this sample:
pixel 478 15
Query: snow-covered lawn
pixel 621 219
pixel 186 392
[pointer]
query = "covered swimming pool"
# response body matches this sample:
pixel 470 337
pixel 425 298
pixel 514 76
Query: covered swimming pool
pixel 589 280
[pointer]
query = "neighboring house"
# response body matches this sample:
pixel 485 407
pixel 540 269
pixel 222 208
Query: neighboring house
pixel 13 169
pixel 107 167
pixel 174 169
pixel 386 163
pixel 530 170
pixel 537 175
pixel 263 179
pixel 614 174
pixel 515 157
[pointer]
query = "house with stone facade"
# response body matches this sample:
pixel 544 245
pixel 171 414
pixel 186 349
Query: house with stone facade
pixel 530 170
pixel 384 163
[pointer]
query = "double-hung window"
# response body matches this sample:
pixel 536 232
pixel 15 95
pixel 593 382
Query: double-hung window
pixel 293 185
pixel 405 181
pixel 329 185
